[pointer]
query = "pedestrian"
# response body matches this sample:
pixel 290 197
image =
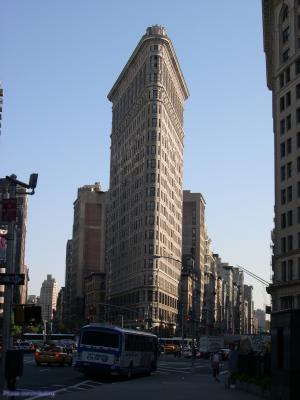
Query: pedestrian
pixel 215 361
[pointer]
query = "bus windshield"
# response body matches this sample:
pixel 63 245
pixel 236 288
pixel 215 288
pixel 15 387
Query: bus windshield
pixel 100 338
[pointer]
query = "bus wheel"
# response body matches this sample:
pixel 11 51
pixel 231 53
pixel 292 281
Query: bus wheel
pixel 129 372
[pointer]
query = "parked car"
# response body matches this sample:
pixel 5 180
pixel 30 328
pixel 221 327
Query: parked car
pixel 53 355
pixel 27 347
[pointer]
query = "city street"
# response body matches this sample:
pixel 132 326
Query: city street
pixel 173 378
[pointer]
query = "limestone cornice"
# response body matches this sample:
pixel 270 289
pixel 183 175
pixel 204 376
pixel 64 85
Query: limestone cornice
pixel 146 38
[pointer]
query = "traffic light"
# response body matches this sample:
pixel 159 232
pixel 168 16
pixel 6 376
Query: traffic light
pixel 32 315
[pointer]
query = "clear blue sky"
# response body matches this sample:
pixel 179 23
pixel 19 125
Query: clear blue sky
pixel 59 60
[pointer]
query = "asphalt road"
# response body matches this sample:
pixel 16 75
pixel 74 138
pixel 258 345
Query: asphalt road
pixel 66 380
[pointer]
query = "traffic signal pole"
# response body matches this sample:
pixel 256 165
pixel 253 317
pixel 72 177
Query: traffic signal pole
pixel 9 289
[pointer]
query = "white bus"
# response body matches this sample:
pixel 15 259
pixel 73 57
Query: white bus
pixel 117 351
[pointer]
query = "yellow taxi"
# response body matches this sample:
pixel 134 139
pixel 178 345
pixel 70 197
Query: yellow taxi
pixel 53 355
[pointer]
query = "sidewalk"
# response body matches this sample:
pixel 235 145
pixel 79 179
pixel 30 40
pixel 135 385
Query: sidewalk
pixel 194 386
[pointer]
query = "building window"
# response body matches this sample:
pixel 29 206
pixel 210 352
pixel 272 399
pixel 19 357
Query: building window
pixel 281 80
pixel 286 302
pixel 289 170
pixel 282 126
pixel 285 14
pixel 282 173
pixel 297 66
pixel 298 215
pixel 298 139
pixel 298 164
pixel 290 218
pixel 290 243
pixel 281 103
pixel 283 221
pixel 283 271
pixel 283 245
pixel 298 91
pixel 282 149
pixel 285 55
pixel 288 99
pixel 289 146
pixel 285 35
pixel 283 196
pixel 290 193
pixel 290 270
pixel 287 73
pixel 288 122
pixel 298 115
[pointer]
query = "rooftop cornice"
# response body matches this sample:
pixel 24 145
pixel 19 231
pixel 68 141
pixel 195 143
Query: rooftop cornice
pixel 150 35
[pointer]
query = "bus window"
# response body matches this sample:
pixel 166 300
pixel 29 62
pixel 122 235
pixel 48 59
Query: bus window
pixel 103 339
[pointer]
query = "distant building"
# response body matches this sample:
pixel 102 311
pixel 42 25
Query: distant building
pixel 248 292
pixel 260 316
pixel 59 312
pixel 33 299
pixel 68 281
pixel 86 252
pixel 48 297
pixel 193 240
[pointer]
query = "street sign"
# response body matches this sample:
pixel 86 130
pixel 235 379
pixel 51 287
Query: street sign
pixel 12 279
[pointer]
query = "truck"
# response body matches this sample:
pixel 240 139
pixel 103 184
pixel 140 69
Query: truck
pixel 208 344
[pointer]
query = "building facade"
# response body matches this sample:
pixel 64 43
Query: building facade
pixel 95 297
pixel 282 49
pixel 86 252
pixel 193 247
pixel 48 297
pixel 68 281
pixel 145 215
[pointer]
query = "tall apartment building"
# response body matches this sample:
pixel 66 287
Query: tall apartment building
pixel 86 252
pixel 145 216
pixel 282 48
pixel 193 237
pixel 48 297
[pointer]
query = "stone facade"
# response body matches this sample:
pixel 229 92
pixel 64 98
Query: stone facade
pixel 281 21
pixel 95 297
pixel 145 215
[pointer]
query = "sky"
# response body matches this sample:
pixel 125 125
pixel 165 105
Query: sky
pixel 58 61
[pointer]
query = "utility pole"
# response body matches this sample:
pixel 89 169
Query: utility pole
pixel 9 289
pixel 10 219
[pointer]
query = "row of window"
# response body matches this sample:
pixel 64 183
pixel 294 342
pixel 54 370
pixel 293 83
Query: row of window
pixel 285 76
pixel 287 218
pixel 287 194
pixel 286 100
pixel 287 243
pixel 286 170
pixel 288 270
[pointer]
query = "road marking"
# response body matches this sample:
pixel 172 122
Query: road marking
pixel 57 385
pixel 43 370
